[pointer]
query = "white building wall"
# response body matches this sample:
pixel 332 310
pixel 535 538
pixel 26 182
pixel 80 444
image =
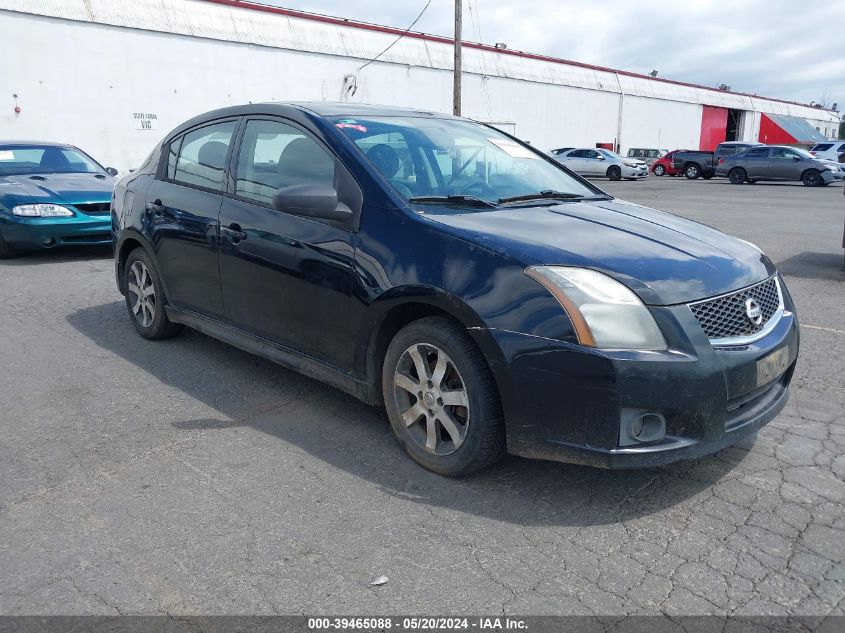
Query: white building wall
pixel 83 68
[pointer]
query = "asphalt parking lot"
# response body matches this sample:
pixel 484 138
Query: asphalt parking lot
pixel 187 477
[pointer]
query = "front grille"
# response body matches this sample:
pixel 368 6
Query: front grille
pixel 726 317
pixel 94 208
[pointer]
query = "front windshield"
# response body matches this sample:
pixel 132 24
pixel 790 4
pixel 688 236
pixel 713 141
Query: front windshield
pixel 608 154
pixel 18 160
pixel 426 156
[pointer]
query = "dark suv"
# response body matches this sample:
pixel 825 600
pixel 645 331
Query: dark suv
pixel 489 298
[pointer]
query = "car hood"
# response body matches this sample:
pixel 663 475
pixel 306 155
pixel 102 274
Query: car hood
pixel 664 258
pixel 55 188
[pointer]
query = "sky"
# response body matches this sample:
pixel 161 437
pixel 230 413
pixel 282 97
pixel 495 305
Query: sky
pixel 773 48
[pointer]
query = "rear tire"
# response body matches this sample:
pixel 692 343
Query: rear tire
pixel 737 176
pixel 441 399
pixel 614 172
pixel 6 251
pixel 692 171
pixel 811 178
pixel 660 170
pixel 145 300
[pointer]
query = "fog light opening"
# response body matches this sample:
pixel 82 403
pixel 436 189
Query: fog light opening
pixel 49 242
pixel 649 427
pixel 638 427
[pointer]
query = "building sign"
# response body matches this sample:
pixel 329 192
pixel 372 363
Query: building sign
pixel 145 120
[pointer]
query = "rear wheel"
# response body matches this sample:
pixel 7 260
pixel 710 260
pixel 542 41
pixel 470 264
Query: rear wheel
pixel 145 299
pixel 737 176
pixel 614 172
pixel 659 170
pixel 6 251
pixel 811 178
pixel 441 399
pixel 692 171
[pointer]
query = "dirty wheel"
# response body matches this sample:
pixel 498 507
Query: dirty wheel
pixel 441 399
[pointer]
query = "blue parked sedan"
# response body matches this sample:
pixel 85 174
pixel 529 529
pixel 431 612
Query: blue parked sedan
pixel 52 195
pixel 489 298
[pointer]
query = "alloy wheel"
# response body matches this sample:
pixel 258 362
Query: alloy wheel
pixel 141 287
pixel 432 399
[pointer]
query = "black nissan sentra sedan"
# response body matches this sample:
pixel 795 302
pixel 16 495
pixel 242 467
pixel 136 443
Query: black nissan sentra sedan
pixel 490 299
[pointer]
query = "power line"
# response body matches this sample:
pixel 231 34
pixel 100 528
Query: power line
pixel 404 33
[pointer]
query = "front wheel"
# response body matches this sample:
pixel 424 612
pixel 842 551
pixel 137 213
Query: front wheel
pixel 441 398
pixel 692 171
pixel 660 170
pixel 811 178
pixel 614 172
pixel 145 297
pixel 6 251
pixel 737 176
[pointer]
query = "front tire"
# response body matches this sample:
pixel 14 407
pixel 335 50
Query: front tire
pixel 6 251
pixel 737 176
pixel 660 170
pixel 614 173
pixel 692 171
pixel 441 399
pixel 811 178
pixel 145 298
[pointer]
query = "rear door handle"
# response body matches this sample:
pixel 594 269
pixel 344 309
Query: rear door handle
pixel 234 232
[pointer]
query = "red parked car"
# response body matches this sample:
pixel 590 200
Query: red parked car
pixel 663 166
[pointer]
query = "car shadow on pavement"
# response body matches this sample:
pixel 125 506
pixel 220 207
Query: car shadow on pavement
pixel 807 265
pixel 349 435
pixel 59 255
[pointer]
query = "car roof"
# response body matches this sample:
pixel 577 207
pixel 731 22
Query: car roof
pixel 31 143
pixel 741 143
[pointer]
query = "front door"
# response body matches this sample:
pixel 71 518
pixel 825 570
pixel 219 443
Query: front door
pixel 786 164
pixel 285 277
pixel 183 210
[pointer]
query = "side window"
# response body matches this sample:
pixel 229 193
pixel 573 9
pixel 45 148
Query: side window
pixel 592 154
pixel 202 157
pixel 778 152
pixel 275 155
pixel 760 152
pixel 578 153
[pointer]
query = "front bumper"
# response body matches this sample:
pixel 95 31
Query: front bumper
pixel 833 176
pixel 565 402
pixel 39 233
pixel 635 172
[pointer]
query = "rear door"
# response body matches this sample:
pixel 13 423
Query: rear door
pixel 756 162
pixel 286 277
pixel 574 159
pixel 183 207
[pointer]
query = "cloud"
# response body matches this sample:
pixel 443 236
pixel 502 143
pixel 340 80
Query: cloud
pixel 773 48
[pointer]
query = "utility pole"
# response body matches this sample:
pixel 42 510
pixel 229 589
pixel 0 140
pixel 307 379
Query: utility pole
pixel 456 80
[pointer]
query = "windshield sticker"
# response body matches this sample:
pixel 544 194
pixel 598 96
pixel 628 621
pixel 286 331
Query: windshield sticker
pixel 7 154
pixel 512 148
pixel 351 125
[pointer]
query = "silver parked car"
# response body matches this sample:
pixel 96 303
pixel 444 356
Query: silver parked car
pixel 603 162
pixel 779 162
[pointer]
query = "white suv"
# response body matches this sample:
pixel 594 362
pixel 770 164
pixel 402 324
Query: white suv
pixel 830 150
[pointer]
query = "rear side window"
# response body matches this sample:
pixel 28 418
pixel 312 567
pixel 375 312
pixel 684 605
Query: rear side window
pixel 841 148
pixel 760 152
pixel 274 155
pixel 202 155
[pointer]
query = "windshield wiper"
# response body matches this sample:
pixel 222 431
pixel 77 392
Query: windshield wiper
pixel 549 194
pixel 473 201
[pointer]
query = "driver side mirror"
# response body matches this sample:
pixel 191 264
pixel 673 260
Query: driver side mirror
pixel 601 157
pixel 311 201
pixel 796 158
pixel 111 171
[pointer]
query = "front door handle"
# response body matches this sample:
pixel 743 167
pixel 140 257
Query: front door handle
pixel 234 232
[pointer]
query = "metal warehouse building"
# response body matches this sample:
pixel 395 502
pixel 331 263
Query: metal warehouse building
pixel 113 77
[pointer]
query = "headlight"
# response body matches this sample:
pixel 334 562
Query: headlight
pixel 632 164
pixel 42 211
pixel 605 313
